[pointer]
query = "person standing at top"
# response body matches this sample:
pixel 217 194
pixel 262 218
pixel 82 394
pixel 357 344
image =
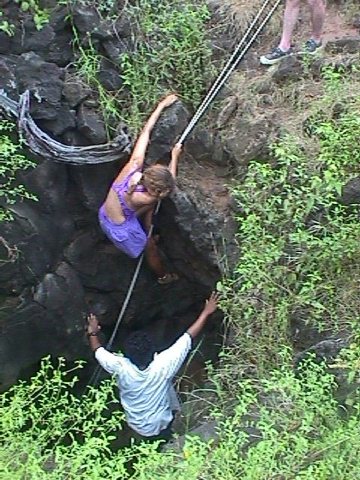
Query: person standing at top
pixel 291 14
pixel 134 194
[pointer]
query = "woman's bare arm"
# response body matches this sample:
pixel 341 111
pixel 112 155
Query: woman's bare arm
pixel 138 155
pixel 175 153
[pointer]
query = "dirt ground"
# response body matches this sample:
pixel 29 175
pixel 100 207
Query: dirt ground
pixel 337 23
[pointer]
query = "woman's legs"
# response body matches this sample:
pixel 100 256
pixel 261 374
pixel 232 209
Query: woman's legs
pixel 153 257
pixel 317 8
pixel 291 15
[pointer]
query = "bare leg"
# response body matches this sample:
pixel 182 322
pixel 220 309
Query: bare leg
pixel 152 253
pixel 291 15
pixel 153 258
pixel 317 8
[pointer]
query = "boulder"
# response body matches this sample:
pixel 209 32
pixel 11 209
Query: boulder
pixel 65 120
pixel 37 242
pixel 49 182
pixel 344 45
pixel 45 82
pixel 7 74
pixel 4 43
pixel 113 48
pixel 60 51
pixel 166 132
pixel 93 182
pixel 109 76
pixel 74 91
pixel 38 40
pixel 85 18
pixel 53 291
pixel 91 124
pixel 250 140
pixel 351 192
pixel 289 69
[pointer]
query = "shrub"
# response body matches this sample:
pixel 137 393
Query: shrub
pixel 11 162
pixel 299 245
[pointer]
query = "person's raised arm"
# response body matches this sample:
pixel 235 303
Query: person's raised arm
pixel 175 153
pixel 138 154
pixel 93 330
pixel 109 361
pixel 210 307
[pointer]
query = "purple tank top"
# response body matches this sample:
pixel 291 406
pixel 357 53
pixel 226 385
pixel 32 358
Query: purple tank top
pixel 122 188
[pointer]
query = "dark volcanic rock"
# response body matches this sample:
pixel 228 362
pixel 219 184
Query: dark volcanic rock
pixel 38 241
pixel 60 50
pixel 54 290
pixel 114 48
pixel 93 183
pixel 290 68
pixel 65 120
pixel 49 182
pixel 351 192
pixel 166 132
pixel 91 125
pixel 45 82
pixel 253 141
pixel 7 74
pixel 345 45
pixel 39 40
pixel 74 91
pixel 85 18
pixel 4 43
pixel 109 76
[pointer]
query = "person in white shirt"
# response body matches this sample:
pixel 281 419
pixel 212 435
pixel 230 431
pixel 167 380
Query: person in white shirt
pixel 144 377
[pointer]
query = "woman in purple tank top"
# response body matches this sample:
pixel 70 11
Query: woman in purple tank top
pixel 135 194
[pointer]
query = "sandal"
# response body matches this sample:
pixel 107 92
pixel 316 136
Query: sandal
pixel 168 278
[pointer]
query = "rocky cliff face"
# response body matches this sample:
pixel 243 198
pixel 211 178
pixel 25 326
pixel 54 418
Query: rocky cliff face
pixel 56 264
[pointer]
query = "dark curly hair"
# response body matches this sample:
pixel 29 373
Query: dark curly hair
pixel 139 348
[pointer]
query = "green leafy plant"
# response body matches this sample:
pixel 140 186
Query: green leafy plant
pixel 48 432
pixel 286 425
pixel 87 68
pixel 299 245
pixel 171 53
pixel 6 26
pixel 11 162
pixel 41 16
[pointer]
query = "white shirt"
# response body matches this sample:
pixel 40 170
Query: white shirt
pixel 147 396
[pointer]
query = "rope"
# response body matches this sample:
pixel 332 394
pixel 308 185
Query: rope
pixel 229 68
pixel 214 90
pixel 95 377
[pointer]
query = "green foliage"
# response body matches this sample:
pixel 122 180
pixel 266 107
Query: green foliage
pixel 48 432
pixel 11 162
pixel 299 245
pixel 41 16
pixel 88 67
pixel 296 432
pixel 6 26
pixel 171 53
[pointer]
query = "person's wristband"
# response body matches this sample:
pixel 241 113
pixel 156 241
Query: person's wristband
pixel 93 334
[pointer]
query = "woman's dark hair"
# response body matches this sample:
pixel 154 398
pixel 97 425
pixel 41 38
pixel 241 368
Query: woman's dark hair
pixel 139 348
